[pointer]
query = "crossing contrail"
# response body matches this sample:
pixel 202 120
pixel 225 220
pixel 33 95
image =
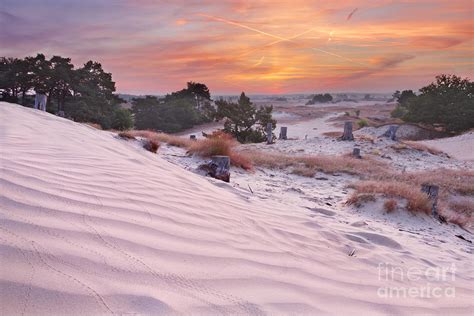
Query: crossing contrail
pixel 279 38
pixel 276 42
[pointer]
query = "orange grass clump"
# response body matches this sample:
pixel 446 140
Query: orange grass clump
pixel 417 201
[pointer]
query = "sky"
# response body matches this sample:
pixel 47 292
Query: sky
pixel 267 47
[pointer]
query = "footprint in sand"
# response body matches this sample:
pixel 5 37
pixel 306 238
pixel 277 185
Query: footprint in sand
pixel 375 239
pixel 323 211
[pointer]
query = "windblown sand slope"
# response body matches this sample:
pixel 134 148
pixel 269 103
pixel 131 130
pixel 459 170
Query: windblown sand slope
pixel 460 147
pixel 90 224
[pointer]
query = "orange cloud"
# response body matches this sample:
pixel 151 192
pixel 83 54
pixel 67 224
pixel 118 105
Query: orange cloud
pixel 181 22
pixel 258 46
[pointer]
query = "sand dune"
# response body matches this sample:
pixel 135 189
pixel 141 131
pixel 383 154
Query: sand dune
pixel 460 147
pixel 90 224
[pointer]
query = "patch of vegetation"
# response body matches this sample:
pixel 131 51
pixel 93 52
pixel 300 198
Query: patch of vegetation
pixel 85 94
pixel 362 123
pixel 320 98
pixel 244 120
pixel 417 201
pixel 177 111
pixel 449 102
pixel 390 205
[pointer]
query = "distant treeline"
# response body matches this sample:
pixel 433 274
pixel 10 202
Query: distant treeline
pixel 176 111
pixel 85 94
pixel 191 106
pixel 320 98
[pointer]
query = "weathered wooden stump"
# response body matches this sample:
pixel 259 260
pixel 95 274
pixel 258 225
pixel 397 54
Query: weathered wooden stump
pixel 40 101
pixel 432 192
pixel 218 168
pixel 347 131
pixel 283 131
pixel 269 133
pixel 61 114
pixel 192 137
pixel 356 153
pixel 391 132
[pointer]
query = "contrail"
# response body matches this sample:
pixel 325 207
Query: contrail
pixel 242 25
pixel 282 39
pixel 351 14
pixel 259 62
pixel 276 42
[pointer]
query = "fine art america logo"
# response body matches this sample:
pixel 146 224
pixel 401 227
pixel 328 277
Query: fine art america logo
pixel 432 282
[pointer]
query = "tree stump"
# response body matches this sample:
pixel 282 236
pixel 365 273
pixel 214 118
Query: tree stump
pixel 283 131
pixel 347 131
pixel 269 133
pixel 356 153
pixel 218 168
pixel 61 114
pixel 40 101
pixel 432 192
pixel 391 132
pixel 192 137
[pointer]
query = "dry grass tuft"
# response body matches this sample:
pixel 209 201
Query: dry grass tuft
pixel 449 181
pixel 333 134
pixel 126 135
pixel 220 146
pixel 463 206
pixel 304 172
pixel 94 125
pixel 358 199
pixel 461 212
pixel 452 183
pixel 390 205
pixel 216 144
pixel 365 138
pixel 240 160
pixel 175 140
pixel 211 147
pixel 160 137
pixel 310 164
pixel 220 134
pixel 151 145
pixel 417 201
pixel 406 145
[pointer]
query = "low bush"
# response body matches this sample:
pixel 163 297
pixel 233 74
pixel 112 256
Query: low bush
pixel 333 134
pixel 449 181
pixel 460 212
pixel 390 205
pixel 151 145
pixel 211 147
pixel 417 201
pixel 161 137
pixel 362 123
pixel 216 146
pixel 358 199
pixel 304 172
pixel 422 147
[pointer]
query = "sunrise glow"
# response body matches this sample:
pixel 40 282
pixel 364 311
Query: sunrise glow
pixel 256 46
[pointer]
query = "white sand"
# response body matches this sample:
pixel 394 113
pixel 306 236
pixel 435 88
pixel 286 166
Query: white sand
pixel 460 147
pixel 91 224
